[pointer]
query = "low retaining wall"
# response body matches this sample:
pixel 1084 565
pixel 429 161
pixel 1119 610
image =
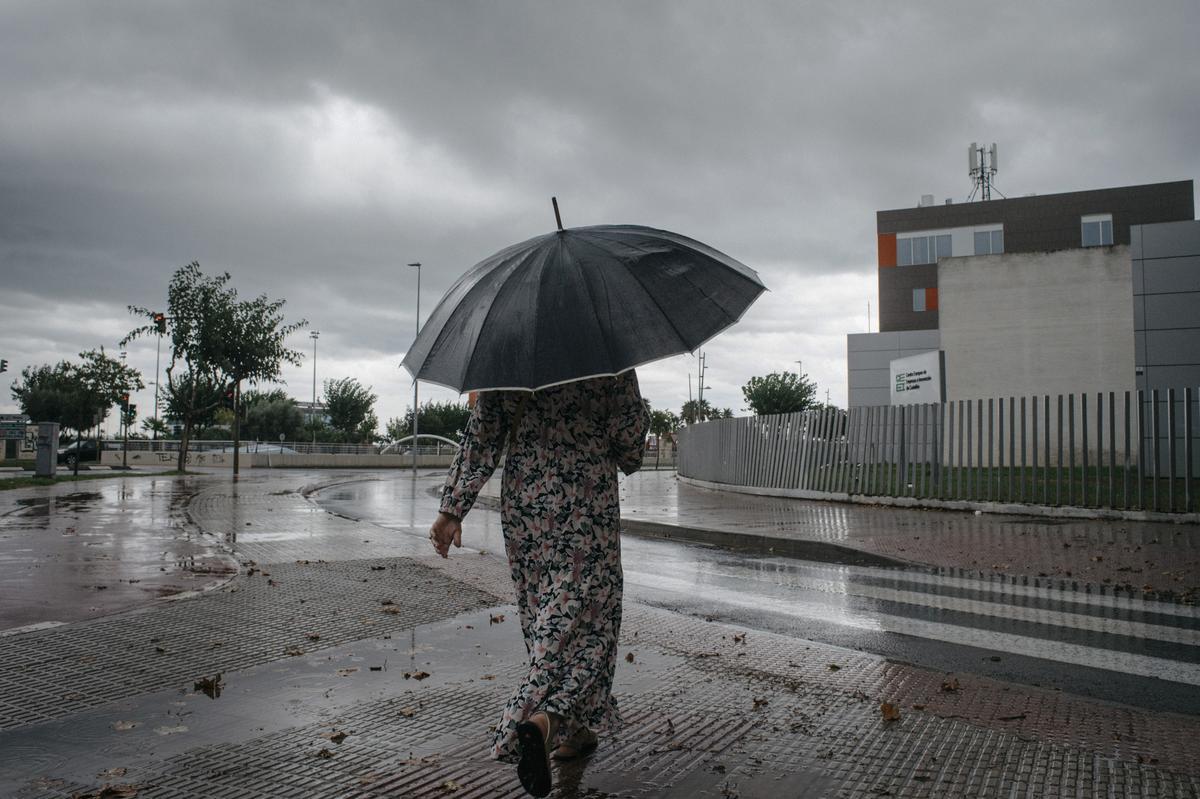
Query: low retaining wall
pixel 263 460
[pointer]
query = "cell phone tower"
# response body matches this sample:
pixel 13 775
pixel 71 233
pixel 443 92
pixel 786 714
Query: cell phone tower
pixel 983 170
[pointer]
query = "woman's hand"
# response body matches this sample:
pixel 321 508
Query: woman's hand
pixel 446 529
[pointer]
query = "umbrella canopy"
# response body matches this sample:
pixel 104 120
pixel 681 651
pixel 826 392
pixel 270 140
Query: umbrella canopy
pixel 577 303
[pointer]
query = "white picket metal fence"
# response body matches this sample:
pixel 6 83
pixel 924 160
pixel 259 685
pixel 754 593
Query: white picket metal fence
pixel 1118 450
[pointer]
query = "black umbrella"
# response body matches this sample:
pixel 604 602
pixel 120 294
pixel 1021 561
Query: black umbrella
pixel 577 303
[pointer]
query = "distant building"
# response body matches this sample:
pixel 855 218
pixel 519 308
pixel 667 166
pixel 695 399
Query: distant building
pixel 311 410
pixel 1082 291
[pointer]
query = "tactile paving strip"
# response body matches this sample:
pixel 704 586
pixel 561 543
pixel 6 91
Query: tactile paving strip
pixel 52 673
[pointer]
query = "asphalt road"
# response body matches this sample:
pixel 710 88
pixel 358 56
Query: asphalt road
pixel 1100 645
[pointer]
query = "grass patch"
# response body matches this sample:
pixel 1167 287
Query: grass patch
pixel 10 483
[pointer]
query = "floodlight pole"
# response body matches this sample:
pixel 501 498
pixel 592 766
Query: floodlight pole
pixel 312 412
pixel 416 406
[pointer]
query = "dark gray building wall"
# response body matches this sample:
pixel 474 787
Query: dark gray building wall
pixel 1166 323
pixel 869 357
pixel 1042 223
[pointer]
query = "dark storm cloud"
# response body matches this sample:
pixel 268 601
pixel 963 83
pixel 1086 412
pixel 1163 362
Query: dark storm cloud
pixel 314 149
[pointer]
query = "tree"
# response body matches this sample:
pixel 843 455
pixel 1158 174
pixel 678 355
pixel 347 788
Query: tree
pixel 77 396
pixel 446 419
pixel 217 342
pixel 157 427
pixel 350 407
pixel 779 392
pixel 663 425
pixel 272 414
pixel 696 411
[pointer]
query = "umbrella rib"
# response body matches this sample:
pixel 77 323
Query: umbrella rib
pixel 591 300
pixel 525 260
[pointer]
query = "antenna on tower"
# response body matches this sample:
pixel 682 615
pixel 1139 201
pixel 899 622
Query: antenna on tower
pixel 982 169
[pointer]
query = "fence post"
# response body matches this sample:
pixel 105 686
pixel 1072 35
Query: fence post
pixel 1171 471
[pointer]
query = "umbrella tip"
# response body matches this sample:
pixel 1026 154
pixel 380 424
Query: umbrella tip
pixel 557 218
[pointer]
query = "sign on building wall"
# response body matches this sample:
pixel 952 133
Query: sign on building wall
pixel 918 378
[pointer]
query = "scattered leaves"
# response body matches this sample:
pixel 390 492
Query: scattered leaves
pixel 889 711
pixel 450 786
pixel 347 671
pixel 121 726
pixel 416 675
pixel 293 651
pixel 629 658
pixel 497 619
pixel 950 686
pixel 325 754
pixel 109 773
pixel 209 686
pixel 739 639
pixel 918 707
pixel 760 703
pixel 313 636
pixel 408 712
pixel 337 736
pixel 834 667
pixel 488 677
pixel 392 609
pixel 109 792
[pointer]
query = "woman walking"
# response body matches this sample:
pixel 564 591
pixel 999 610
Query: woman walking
pixel 561 517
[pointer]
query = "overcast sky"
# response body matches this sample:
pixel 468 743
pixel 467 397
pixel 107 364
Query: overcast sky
pixel 313 149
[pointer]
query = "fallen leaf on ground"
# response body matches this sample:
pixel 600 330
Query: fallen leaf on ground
pixel 1016 717
pixel 346 672
pixel 951 685
pixel 488 677
pixel 109 773
pixel 918 707
pixel 739 639
pixel 325 754
pixel 313 636
pixel 497 619
pixel 890 712
pixel 408 712
pixel 124 725
pixel 392 609
pixel 209 686
pixel 178 728
pixel 834 667
pixel 293 651
pixel 378 568
pixel 386 602
pixel 337 736
pixel 760 703
pixel 416 675
pixel 109 792
pixel 629 658
pixel 450 786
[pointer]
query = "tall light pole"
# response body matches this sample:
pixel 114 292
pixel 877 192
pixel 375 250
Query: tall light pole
pixel 160 323
pixel 312 412
pixel 416 407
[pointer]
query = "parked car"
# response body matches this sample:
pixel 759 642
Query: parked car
pixel 79 451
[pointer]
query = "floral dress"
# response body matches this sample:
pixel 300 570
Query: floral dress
pixel 560 511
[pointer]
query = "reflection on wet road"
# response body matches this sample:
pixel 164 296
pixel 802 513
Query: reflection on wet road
pixel 1043 632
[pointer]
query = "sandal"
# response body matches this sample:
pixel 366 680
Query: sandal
pixel 581 744
pixel 533 767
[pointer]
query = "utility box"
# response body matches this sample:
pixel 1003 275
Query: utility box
pixel 47 449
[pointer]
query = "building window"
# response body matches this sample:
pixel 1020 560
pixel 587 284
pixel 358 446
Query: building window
pixel 922 249
pixel 918 299
pixel 989 242
pixel 1097 230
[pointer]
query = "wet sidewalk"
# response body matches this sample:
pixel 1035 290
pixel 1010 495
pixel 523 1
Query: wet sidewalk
pixel 1139 558
pixel 344 660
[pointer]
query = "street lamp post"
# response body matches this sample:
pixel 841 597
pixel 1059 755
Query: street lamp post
pixel 312 411
pixel 416 407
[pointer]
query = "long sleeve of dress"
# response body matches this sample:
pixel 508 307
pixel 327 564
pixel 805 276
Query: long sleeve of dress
pixel 628 423
pixel 482 445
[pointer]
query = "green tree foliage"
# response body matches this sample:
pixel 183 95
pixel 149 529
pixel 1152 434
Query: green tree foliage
pixel 156 427
pixel 663 425
pixel 696 411
pixel 351 409
pixel 446 419
pixel 76 395
pixel 217 341
pixel 268 415
pixel 779 392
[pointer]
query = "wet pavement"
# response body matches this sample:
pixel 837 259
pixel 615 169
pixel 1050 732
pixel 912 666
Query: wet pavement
pixel 352 662
pixel 75 551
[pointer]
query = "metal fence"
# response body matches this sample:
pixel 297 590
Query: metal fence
pixel 1118 450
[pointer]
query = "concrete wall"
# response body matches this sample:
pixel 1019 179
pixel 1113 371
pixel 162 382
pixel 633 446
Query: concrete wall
pixel 262 460
pixel 1037 323
pixel 868 356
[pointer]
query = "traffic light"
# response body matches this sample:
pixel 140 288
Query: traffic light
pixel 160 323
pixel 125 401
pixel 227 400
pixel 3 364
